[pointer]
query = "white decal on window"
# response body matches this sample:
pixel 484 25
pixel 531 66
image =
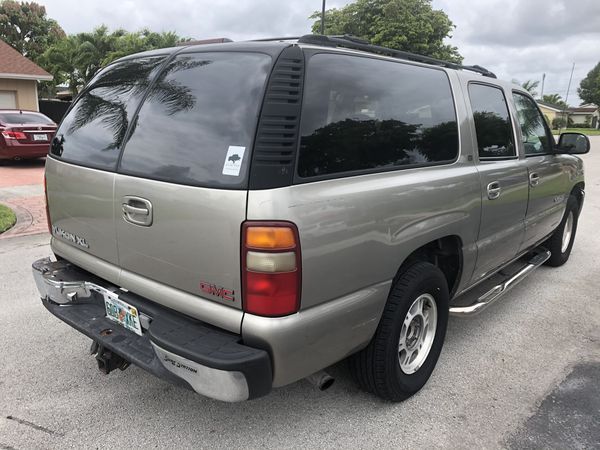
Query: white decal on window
pixel 233 160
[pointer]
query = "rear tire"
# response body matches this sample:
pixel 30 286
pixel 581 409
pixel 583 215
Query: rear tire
pixel 407 344
pixel 561 242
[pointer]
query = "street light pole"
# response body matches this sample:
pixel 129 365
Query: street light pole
pixel 323 18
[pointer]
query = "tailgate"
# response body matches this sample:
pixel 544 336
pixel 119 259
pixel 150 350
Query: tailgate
pixel 192 242
pixel 168 201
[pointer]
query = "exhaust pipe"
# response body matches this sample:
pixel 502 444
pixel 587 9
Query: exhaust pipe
pixel 321 380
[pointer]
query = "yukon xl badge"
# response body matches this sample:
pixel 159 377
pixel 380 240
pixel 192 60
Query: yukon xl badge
pixel 59 232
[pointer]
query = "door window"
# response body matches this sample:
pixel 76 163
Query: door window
pixel 492 122
pixel 536 136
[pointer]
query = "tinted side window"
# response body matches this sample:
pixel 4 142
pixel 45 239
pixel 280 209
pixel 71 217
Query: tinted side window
pixel 536 137
pixel 364 114
pixel 198 121
pixel 92 132
pixel 492 122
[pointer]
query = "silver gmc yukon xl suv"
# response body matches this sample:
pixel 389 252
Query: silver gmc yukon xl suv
pixel 236 217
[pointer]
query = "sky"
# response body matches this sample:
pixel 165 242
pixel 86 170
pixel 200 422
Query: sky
pixel 516 39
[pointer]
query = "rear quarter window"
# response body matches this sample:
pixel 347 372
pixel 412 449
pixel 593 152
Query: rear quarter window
pixel 197 124
pixel 364 114
pixel 92 132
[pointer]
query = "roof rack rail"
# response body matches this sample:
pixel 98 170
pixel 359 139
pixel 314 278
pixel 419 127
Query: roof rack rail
pixel 355 43
pixel 285 38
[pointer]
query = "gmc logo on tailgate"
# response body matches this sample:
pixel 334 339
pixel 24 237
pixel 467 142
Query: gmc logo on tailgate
pixel 217 291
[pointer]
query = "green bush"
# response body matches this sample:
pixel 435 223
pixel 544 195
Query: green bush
pixel 558 122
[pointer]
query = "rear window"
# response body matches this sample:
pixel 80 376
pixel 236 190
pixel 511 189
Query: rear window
pixel 93 131
pixel 25 118
pixel 197 124
pixel 364 114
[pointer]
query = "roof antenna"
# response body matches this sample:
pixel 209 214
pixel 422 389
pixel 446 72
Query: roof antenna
pixel 323 18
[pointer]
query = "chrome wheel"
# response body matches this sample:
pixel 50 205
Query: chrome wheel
pixel 417 333
pixel 567 233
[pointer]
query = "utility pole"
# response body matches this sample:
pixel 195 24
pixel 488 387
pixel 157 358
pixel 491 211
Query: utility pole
pixel 543 81
pixel 565 118
pixel 323 18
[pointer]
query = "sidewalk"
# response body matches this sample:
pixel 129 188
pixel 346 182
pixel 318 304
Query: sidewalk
pixel 21 190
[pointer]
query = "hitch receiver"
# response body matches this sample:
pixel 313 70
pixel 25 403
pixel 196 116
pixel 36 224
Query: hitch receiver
pixel 107 360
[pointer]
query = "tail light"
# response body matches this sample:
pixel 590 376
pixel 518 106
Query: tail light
pixel 9 134
pixel 46 201
pixel 271 268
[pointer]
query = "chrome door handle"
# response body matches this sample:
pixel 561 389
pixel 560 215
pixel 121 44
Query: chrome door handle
pixel 137 210
pixel 534 179
pixel 128 209
pixel 493 190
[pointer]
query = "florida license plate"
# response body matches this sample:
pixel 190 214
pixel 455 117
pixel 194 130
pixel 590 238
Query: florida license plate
pixel 121 312
pixel 40 137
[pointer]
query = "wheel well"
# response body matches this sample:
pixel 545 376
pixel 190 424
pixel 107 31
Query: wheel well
pixel 577 191
pixel 445 253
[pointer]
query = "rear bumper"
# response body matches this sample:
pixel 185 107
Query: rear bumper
pixel 24 151
pixel 174 347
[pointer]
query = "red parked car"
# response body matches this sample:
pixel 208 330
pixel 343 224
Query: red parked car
pixel 24 134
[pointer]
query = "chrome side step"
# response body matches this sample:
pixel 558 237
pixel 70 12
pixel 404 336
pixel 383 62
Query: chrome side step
pixel 499 290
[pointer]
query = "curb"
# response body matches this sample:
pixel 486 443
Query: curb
pixel 24 221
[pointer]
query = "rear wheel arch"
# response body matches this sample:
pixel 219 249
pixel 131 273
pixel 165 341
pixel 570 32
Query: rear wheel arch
pixel 445 253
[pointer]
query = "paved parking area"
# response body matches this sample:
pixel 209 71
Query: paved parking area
pixel 517 376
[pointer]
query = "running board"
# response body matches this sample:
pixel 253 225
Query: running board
pixel 499 290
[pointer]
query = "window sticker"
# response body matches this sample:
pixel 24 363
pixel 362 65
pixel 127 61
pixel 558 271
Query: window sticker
pixel 233 160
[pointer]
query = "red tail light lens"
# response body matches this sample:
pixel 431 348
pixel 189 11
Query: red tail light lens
pixel 9 134
pixel 271 268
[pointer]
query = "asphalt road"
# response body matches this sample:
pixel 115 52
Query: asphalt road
pixel 523 374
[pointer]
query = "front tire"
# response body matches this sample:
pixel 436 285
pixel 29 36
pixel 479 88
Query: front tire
pixel 561 242
pixel 406 346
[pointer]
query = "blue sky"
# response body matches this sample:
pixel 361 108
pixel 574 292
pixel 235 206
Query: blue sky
pixel 519 39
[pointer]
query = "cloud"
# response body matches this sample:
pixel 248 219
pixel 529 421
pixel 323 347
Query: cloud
pixel 523 39
pixel 519 39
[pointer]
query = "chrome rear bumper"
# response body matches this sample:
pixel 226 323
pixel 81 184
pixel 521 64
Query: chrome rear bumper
pixel 180 349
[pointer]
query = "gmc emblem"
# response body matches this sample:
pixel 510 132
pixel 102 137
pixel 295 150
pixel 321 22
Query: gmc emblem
pixel 213 289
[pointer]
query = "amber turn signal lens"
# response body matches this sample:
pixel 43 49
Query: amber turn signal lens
pixel 274 238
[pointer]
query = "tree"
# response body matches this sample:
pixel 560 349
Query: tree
pixel 77 58
pixel 530 86
pixel 554 99
pixel 589 88
pixel 409 25
pixel 26 27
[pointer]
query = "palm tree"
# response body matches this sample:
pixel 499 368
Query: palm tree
pixel 554 99
pixel 531 86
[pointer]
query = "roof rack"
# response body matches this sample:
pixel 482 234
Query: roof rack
pixel 285 38
pixel 352 42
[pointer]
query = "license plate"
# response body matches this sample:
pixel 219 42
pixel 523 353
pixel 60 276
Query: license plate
pixel 121 312
pixel 40 137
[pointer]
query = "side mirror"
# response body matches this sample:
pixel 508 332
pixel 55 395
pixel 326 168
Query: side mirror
pixel 573 143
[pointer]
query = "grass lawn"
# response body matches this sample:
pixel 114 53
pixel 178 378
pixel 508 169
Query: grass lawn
pixel 588 131
pixel 7 218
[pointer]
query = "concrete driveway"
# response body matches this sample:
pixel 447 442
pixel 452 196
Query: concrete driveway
pixel 524 374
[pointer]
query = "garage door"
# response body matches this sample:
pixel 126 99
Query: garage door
pixel 8 99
